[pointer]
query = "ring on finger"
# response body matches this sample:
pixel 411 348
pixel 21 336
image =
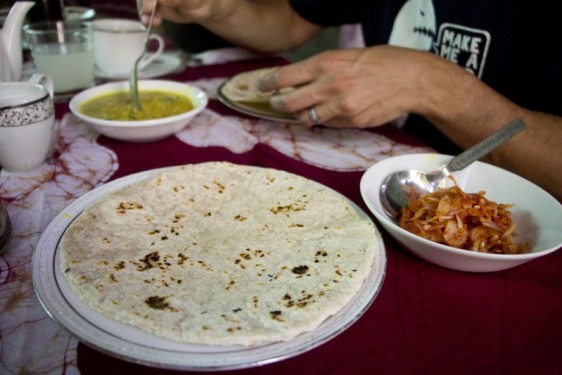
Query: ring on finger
pixel 311 112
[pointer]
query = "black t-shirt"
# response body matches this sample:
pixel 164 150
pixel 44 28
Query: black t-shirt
pixel 514 46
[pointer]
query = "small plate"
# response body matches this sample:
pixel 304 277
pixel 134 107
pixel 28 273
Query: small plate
pixel 130 343
pixel 162 65
pixel 260 110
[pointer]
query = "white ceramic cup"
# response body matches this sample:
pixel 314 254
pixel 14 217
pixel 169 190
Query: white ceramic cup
pixel 27 123
pixel 119 42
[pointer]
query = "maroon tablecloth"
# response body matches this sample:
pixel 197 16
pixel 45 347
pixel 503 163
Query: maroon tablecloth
pixel 425 320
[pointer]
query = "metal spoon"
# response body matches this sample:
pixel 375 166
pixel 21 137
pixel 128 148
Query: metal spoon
pixel 394 189
pixel 133 79
pixel 5 228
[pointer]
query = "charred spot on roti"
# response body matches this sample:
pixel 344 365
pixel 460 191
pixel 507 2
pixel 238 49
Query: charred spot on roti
pixel 204 265
pixel 319 255
pixel 288 208
pixel 305 300
pixel 123 207
pixel 177 189
pixel 178 217
pixel 220 187
pixel 300 270
pixel 182 258
pixel 149 261
pixel 230 284
pixel 159 303
pixel 277 315
pixel 338 271
pixel 233 329
pixel 300 302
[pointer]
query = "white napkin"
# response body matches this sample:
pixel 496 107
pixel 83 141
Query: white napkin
pixel 223 55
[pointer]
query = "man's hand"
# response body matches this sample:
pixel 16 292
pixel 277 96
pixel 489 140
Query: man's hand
pixel 351 87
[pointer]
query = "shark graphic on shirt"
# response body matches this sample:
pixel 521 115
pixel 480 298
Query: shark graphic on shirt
pixel 415 26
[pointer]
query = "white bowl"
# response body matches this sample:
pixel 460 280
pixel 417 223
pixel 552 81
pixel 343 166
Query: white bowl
pixel 142 130
pixel 536 213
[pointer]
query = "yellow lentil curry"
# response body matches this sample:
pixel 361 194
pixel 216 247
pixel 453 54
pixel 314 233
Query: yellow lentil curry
pixel 154 105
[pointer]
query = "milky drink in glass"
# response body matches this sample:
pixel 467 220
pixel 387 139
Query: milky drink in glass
pixel 63 51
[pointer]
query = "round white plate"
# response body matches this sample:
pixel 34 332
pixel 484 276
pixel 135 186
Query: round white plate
pixel 260 110
pixel 134 345
pixel 162 65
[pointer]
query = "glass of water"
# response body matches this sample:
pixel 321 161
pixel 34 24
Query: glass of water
pixel 64 51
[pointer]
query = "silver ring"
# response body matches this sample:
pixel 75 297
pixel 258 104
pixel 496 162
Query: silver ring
pixel 311 112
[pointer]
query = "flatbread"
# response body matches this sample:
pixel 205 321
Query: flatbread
pixel 220 254
pixel 243 87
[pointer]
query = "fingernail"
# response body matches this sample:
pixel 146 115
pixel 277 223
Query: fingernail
pixel 276 103
pixel 268 82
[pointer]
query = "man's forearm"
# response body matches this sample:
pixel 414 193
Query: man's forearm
pixel 466 111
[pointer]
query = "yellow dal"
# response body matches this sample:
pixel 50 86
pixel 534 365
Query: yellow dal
pixel 154 105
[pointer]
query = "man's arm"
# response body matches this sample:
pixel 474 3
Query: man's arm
pixel 372 86
pixel 466 111
pixel 263 25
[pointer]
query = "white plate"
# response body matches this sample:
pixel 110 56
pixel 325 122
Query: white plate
pixel 162 65
pixel 260 110
pixel 132 344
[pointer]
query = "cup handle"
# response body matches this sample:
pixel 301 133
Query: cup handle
pixel 44 80
pixel 150 57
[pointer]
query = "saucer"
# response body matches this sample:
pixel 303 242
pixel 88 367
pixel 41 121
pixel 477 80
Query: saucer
pixel 162 65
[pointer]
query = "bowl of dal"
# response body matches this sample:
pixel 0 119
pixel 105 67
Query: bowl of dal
pixel 166 108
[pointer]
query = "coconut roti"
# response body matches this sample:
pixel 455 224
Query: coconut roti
pixel 219 254
pixel 243 87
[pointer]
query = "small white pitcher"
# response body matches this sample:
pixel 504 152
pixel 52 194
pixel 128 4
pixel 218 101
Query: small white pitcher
pixel 27 123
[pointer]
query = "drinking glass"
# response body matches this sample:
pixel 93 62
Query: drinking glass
pixel 64 51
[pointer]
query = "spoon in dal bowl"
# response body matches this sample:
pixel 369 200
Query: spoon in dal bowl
pixel 394 189
pixel 133 77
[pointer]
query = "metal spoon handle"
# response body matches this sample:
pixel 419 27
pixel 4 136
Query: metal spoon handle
pixel 484 147
pixel 133 79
